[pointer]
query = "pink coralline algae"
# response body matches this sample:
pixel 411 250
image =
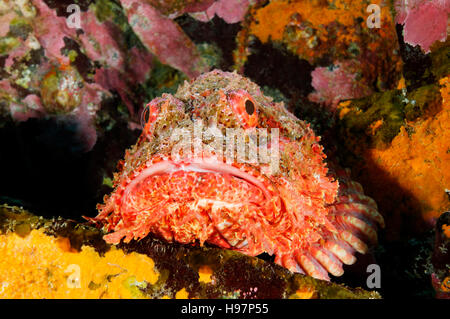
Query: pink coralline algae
pixel 55 84
pixel 232 11
pixel 339 83
pixel 100 43
pixel 425 22
pixel 5 20
pixel 164 38
pixel 98 39
pixel 51 86
pixel 175 8
pixel 51 35
pixel 43 86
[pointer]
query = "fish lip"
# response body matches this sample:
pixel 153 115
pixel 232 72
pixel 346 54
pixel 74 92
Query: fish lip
pixel 205 165
pixel 210 165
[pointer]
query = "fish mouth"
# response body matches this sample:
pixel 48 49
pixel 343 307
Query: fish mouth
pixel 203 165
pixel 211 195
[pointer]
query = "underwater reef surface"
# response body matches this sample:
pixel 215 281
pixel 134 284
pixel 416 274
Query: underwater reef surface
pixel 399 140
pixel 71 101
pixel 397 143
pixel 71 260
pixel 350 60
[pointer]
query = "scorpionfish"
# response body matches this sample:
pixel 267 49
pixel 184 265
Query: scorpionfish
pixel 191 189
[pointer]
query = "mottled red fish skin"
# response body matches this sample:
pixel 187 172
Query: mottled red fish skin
pixel 312 219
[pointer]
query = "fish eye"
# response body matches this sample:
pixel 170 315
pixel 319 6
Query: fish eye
pixel 249 107
pixel 244 107
pixel 145 116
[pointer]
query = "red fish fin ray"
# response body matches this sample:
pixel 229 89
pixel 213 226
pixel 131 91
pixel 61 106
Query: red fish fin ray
pixel 354 241
pixel 311 265
pixel 328 260
pixel 357 198
pixel 359 226
pixel 114 238
pixel 341 250
pixel 289 262
pixel 358 209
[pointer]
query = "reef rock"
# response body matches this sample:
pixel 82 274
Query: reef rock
pixel 60 258
pixel 440 259
pixel 397 146
pixel 335 37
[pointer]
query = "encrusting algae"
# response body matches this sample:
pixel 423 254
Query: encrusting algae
pixel 327 33
pixel 272 19
pixel 414 155
pixel 62 272
pixel 205 274
pixel 61 259
pixel 426 172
